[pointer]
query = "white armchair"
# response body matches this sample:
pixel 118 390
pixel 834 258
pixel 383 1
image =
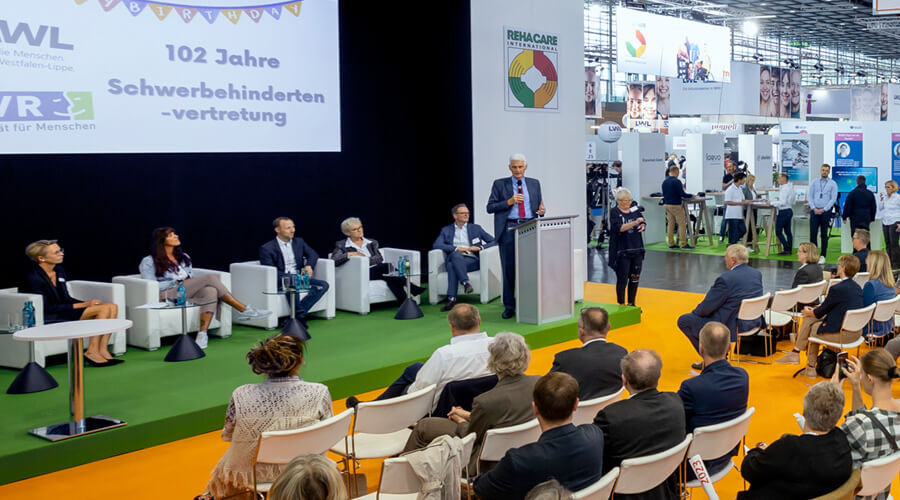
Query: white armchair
pixel 15 353
pixel 251 279
pixel 355 292
pixel 152 324
pixel 487 280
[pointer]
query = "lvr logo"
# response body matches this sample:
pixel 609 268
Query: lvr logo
pixel 35 38
pixel 43 106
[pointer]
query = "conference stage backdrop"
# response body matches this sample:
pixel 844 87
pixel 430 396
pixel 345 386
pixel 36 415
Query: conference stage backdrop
pixel 532 59
pixel 795 159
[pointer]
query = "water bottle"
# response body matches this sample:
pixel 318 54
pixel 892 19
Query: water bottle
pixel 401 267
pixel 180 295
pixel 28 315
pixel 304 280
pixel 298 279
pixel 406 265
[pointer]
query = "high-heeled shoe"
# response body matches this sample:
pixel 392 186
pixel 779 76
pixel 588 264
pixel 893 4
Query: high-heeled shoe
pixel 95 364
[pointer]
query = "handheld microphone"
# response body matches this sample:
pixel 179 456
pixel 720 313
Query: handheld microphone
pixel 519 184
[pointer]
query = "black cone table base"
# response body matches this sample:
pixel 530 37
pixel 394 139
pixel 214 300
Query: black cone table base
pixel 184 349
pixel 409 310
pixel 32 378
pixel 294 328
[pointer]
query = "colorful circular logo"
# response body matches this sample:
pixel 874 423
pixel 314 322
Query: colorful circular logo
pixel 519 66
pixel 641 43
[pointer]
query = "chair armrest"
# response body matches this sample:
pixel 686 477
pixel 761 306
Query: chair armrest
pixel 109 293
pixel 9 290
pixel 325 271
pixel 352 285
pixel 436 261
pixel 12 303
pixel 491 273
pixel 415 261
pixel 138 291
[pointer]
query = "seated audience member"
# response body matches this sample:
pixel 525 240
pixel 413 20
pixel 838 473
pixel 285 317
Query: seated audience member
pixel 309 477
pixel 810 270
pixel 48 278
pixel 549 490
pixel 284 401
pixel 723 300
pixel 464 357
pixel 595 365
pixel 356 245
pixel 805 466
pixel 872 374
pixel 860 248
pixel 169 264
pixel 461 242
pixel 571 455
pixel 719 393
pixel 879 287
pixel 647 422
pixel 288 255
pixel 825 321
pixel 507 404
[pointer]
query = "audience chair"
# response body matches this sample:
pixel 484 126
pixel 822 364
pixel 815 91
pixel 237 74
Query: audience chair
pixel 487 281
pixel 854 321
pixel 714 441
pixel 152 324
pixel 641 474
pixel 251 279
pixel 779 312
pixel 831 283
pixel 588 409
pixel 355 292
pixel 752 309
pixel 280 447
pixel 884 311
pixel 808 294
pixel 462 393
pixel 602 489
pixel 877 475
pixel 861 279
pixel 846 491
pixel 17 354
pixel 498 441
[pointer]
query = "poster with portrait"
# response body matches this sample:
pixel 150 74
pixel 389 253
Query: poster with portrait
pixel 884 101
pixel 591 84
pixel 641 109
pixel 795 159
pixel 663 97
pixel 796 92
pixel 848 149
pixel 895 157
pixel 865 104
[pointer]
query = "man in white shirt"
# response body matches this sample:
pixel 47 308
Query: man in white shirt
pixel 734 213
pixel 785 206
pixel 463 358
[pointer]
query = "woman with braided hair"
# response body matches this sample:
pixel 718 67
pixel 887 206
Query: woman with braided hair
pixel 283 401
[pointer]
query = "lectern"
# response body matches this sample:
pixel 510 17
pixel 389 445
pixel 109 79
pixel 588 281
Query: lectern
pixel 544 270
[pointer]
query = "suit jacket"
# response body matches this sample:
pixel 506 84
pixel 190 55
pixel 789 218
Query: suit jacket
pixel 595 366
pixel 502 190
pixel 810 273
pixel 723 300
pixel 270 254
pixel 841 298
pixel 797 467
pixel 57 301
pixel 860 207
pixel 571 455
pixel 647 423
pixel 478 237
pixel 340 257
pixel 862 255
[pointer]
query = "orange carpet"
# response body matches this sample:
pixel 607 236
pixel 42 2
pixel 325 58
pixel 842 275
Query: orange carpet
pixel 179 470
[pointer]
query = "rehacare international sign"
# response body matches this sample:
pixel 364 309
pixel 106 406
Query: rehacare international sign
pixel 532 59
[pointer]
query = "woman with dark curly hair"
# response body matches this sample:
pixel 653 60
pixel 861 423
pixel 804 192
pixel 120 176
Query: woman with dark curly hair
pixel 284 401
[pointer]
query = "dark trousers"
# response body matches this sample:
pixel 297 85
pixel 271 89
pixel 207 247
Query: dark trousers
pixel 818 223
pixel 399 386
pixel 458 267
pixel 783 229
pixel 395 284
pixel 892 243
pixel 507 241
pixel 628 274
pixel 317 289
pixel 736 230
pixel 690 325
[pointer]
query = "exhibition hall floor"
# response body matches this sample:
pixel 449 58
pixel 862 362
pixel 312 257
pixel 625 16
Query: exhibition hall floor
pixel 180 469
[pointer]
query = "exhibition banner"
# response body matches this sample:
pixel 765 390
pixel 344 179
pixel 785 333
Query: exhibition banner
pixel 592 106
pixel 845 178
pixel 113 76
pixel 848 149
pixel 642 106
pixel 832 103
pixel 895 157
pixel 795 158
pixel 532 59
pixel 885 7
pixel 753 90
pixel 669 46
pixel 869 104
pixel 779 92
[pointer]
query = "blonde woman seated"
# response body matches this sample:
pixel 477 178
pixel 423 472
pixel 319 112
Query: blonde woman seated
pixel 309 477
pixel 48 278
pixel 283 401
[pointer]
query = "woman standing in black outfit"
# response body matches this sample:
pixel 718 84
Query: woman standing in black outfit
pixel 626 245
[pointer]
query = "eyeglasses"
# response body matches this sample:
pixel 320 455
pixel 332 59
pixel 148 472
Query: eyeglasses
pixel 357 228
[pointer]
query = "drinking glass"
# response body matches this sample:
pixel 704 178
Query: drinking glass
pixel 165 296
pixel 12 323
pixel 286 282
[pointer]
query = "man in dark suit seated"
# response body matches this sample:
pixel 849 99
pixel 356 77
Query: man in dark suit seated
pixel 648 422
pixel 723 300
pixel 571 455
pixel 805 466
pixel 826 320
pixel 719 393
pixel 289 254
pixel 461 242
pixel 861 248
pixel 595 365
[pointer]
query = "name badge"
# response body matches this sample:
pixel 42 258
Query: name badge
pixel 61 280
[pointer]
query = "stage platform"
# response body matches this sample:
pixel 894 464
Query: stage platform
pixel 163 402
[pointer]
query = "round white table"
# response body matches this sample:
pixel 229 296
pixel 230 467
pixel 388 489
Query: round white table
pixel 75 332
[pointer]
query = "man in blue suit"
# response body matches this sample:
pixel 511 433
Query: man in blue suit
pixel 723 300
pixel 288 254
pixel 513 201
pixel 461 242
pixel 719 393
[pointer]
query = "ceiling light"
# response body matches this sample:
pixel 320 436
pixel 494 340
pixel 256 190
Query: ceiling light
pixel 893 79
pixel 750 28
pixel 818 66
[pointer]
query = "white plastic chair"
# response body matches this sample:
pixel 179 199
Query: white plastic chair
pixel 884 311
pixel 602 489
pixel 588 409
pixel 808 294
pixel 752 309
pixel 641 474
pixel 831 283
pixel 854 321
pixel 487 281
pixel 498 441
pixel 714 441
pixel 355 292
pixel 280 447
pixel 861 279
pixel 877 475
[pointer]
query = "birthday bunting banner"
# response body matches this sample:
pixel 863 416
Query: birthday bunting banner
pixel 187 13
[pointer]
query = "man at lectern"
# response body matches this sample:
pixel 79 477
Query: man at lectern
pixel 513 201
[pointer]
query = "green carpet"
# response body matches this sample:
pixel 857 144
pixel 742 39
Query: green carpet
pixel 163 401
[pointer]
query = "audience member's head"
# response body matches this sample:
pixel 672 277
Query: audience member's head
pixel 848 265
pixel 736 254
pixel 555 398
pixel 809 251
pixel 279 356
pixel 715 339
pixel 879 265
pixel 309 477
pixel 508 355
pixel 861 238
pixel 549 490
pixel 822 406
pixel 878 369
pixel 349 224
pixel 641 370
pixel 464 319
pixel 593 323
pixel 38 250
